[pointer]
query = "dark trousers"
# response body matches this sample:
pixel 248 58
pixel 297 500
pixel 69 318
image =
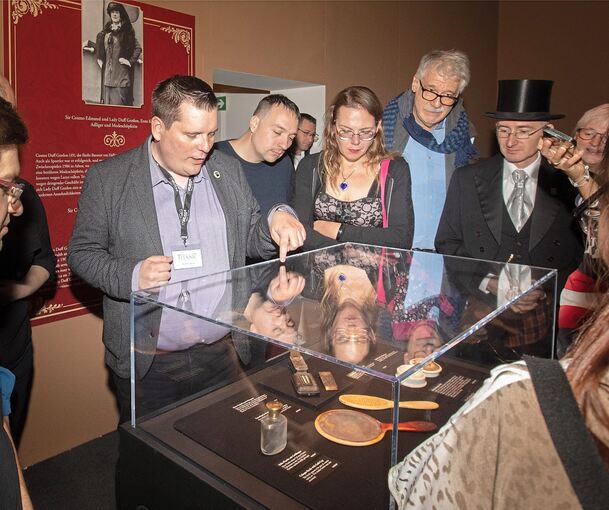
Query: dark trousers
pixel 172 377
pixel 176 375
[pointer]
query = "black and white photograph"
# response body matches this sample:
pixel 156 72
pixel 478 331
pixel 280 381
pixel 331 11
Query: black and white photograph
pixel 112 53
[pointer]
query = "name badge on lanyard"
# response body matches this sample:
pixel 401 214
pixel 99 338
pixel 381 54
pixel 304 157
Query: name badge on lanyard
pixel 187 258
pixel 184 257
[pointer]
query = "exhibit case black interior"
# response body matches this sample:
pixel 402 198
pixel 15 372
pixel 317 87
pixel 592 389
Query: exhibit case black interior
pixel 299 385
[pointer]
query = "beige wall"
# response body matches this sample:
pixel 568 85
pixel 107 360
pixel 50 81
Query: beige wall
pixel 563 41
pixel 377 44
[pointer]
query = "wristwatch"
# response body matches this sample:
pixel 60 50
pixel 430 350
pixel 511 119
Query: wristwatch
pixel 583 179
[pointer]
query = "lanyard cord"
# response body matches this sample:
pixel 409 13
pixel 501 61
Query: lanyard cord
pixel 182 210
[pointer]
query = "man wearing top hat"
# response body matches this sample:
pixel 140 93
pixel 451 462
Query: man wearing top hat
pixel 514 206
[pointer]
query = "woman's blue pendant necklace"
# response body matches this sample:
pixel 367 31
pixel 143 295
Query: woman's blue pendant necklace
pixel 344 184
pixel 342 278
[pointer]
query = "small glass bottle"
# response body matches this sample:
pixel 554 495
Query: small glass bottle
pixel 273 429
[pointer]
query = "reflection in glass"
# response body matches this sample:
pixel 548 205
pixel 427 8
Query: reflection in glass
pixel 423 339
pixel 368 308
pixel 269 319
pixel 266 310
pixel 349 313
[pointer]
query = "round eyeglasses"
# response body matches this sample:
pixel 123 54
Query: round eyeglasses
pixel 589 134
pixel 430 95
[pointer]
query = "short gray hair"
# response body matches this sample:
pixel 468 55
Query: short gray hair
pixel 448 63
pixel 600 112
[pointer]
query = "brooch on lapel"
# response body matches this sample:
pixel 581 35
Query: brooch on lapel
pixel 216 174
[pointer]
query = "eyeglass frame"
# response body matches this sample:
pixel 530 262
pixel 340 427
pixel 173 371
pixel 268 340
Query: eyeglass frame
pixel 352 335
pixel 13 189
pixel 514 131
pixel 310 134
pixel 354 134
pixel 603 136
pixel 436 96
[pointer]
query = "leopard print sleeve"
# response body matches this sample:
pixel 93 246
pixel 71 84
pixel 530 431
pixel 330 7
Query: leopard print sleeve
pixel 496 452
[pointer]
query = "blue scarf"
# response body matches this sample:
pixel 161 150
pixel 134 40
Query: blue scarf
pixel 458 140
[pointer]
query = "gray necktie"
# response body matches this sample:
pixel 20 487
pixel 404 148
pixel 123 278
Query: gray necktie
pixel 513 272
pixel 519 203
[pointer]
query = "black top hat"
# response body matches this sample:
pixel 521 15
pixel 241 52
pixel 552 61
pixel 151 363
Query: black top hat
pixel 524 100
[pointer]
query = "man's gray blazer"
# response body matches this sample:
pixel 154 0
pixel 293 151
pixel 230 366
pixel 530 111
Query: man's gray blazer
pixel 116 227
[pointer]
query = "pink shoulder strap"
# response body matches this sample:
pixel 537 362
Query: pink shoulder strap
pixel 380 284
pixel 384 172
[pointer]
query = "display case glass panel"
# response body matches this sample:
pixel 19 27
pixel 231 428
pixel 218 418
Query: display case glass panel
pixel 367 349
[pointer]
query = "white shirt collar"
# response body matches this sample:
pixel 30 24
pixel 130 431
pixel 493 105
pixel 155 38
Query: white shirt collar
pixel 532 170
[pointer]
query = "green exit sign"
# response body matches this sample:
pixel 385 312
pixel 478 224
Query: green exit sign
pixel 221 103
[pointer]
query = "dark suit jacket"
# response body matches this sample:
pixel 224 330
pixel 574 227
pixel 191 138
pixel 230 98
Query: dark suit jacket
pixel 117 227
pixel 471 221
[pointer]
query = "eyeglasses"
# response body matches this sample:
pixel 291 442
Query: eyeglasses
pixel 352 335
pixel 430 95
pixel 589 134
pixel 12 189
pixel 310 134
pixel 520 133
pixel 365 135
pixel 425 341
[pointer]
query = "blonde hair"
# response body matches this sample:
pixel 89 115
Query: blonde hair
pixel 600 112
pixel 330 305
pixel 351 97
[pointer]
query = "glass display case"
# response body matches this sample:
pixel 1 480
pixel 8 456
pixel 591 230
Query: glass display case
pixel 363 351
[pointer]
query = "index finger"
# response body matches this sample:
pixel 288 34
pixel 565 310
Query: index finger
pixel 283 247
pixel 283 276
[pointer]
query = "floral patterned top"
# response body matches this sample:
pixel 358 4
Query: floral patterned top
pixel 364 212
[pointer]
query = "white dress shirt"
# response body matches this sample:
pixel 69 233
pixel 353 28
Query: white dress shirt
pixel 530 185
pixel 505 286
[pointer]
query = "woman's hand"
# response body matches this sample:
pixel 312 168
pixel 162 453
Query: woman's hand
pixel 564 156
pixel 326 228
